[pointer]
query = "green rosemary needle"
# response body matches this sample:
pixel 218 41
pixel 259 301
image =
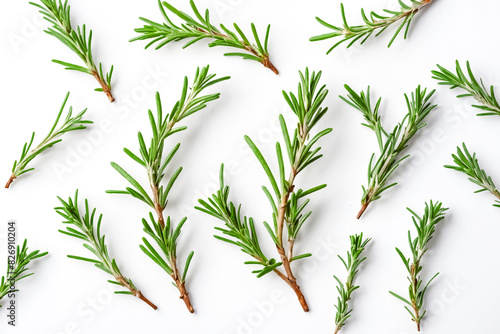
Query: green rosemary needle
pixel 85 227
pixel 154 161
pixel 78 40
pixel 390 144
pixel 287 203
pixel 345 290
pixel 476 89
pixel 425 225
pixel 16 270
pixel 372 23
pixel 469 165
pixel 69 124
pixel 200 27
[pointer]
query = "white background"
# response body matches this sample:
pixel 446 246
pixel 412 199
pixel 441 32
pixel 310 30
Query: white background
pixel 59 298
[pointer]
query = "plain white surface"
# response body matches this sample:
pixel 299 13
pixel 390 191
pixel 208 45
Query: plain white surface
pixel 67 296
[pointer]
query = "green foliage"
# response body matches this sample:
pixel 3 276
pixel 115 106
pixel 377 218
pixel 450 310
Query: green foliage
pixel 84 227
pixel 200 27
pixel 358 245
pixel 301 152
pixel 18 270
pixel 425 225
pixel 70 123
pixel 390 144
pixel 372 24
pixel 153 159
pixel 79 41
pixel 469 165
pixel 473 87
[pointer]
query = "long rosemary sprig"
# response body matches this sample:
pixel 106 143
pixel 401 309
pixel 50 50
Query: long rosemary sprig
pixel 372 23
pixel 152 158
pixel 473 87
pixel 352 264
pixel 287 203
pixel 17 270
pixel 391 144
pixel 84 227
pixel 78 40
pixel 70 124
pixel 425 225
pixel 200 27
pixel 469 165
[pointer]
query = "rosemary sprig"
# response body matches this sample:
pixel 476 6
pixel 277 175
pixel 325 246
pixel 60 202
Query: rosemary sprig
pixel 372 23
pixel 287 203
pixel 345 290
pixel 78 40
pixel 153 160
pixel 476 89
pixel 390 144
pixel 469 165
pixel 16 270
pixel 433 214
pixel 198 28
pixel 70 124
pixel 84 227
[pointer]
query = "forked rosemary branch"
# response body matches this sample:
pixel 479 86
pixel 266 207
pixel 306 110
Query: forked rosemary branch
pixel 425 225
pixel 70 124
pixel 78 40
pixel 17 268
pixel 469 165
pixel 200 27
pixel 345 290
pixel 287 203
pixel 476 89
pixel 154 161
pixel 372 23
pixel 391 144
pixel 84 227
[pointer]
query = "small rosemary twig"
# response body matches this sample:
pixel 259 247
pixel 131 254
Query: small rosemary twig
pixel 476 89
pixel 373 22
pixel 17 271
pixel 90 232
pixel 433 214
pixel 469 165
pixel 200 28
pixel 70 124
pixel 78 40
pixel 345 290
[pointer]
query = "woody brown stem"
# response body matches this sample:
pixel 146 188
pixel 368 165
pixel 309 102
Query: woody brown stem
pixel 158 208
pixel 181 285
pixel 106 89
pixel 414 285
pixel 363 209
pixel 296 288
pixel 11 179
pixel 267 63
pixel 135 292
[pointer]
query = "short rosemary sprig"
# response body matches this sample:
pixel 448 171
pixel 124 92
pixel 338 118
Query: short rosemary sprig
pixel 345 290
pixel 78 40
pixel 85 227
pixel 469 165
pixel 152 158
pixel 16 270
pixel 196 29
pixel 287 203
pixel 390 144
pixel 70 124
pixel 433 214
pixel 476 89
pixel 373 22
